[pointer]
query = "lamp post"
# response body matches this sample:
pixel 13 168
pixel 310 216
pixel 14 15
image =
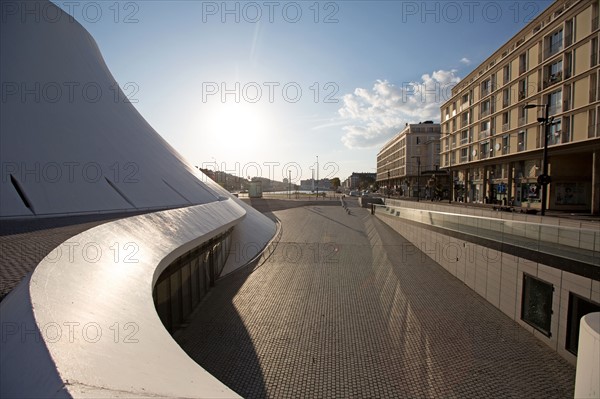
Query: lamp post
pixel 544 179
pixel 317 183
pixel 418 176
pixel 388 184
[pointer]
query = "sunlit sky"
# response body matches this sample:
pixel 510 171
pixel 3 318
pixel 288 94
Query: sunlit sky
pixel 279 83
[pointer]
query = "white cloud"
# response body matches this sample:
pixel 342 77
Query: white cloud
pixel 373 116
pixel 465 61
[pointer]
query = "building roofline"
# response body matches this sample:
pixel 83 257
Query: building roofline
pixel 407 128
pixel 521 34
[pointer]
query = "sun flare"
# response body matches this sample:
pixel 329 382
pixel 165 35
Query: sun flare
pixel 239 127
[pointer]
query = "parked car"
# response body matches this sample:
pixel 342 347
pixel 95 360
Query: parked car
pixel 366 200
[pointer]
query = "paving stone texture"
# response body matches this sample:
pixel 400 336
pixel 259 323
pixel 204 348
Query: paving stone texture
pixel 345 307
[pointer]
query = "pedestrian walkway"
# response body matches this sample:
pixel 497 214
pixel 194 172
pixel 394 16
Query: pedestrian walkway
pixel 345 307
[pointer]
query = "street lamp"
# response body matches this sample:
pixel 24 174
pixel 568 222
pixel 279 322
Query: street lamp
pixel 418 176
pixel 544 179
pixel 388 184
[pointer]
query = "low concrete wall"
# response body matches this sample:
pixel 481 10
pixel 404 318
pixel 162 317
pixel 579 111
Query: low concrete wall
pixel 498 277
pixel 486 212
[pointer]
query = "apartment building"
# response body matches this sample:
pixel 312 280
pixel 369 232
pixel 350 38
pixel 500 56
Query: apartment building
pixel 492 145
pixel 358 180
pixel 409 163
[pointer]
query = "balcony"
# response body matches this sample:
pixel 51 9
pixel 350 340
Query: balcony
pixel 505 102
pixel 555 109
pixel 522 95
pixel 484 113
pixel 555 138
pixel 553 79
pixel 484 134
pixel 595 23
pixel 505 127
pixel 485 91
pixel 522 120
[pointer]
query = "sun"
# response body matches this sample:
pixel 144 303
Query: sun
pixel 240 127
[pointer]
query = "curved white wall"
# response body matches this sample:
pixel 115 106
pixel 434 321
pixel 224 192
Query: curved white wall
pixel 68 138
pixel 84 324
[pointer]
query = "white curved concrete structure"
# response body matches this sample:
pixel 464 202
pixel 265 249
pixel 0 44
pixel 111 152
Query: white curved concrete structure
pixel 84 323
pixel 70 141
pixel 587 379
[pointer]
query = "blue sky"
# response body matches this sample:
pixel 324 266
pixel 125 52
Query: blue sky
pixel 262 88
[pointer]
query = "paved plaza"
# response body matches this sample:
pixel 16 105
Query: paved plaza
pixel 345 307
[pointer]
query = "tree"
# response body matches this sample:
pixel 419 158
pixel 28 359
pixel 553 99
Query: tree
pixel 335 183
pixel 366 182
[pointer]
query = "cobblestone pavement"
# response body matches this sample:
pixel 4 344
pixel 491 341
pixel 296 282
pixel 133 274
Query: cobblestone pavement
pixel 24 243
pixel 345 307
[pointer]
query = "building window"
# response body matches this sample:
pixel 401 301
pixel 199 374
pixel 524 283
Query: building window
pixel 464 119
pixel 464 103
pixel 485 87
pixel 536 304
pixel 484 150
pixel 505 98
pixel 464 137
pixel 522 141
pixel 554 43
pixel 522 63
pixel 464 154
pixel 591 123
pixel 553 73
pixel 568 96
pixel 505 144
pixel 485 108
pixel 594 54
pixel 555 102
pixel 568 32
pixel 522 116
pixel 578 307
pixel 505 121
pixel 593 90
pixel 522 89
pixel 484 130
pixel 568 64
pixel 555 132
pixel 506 74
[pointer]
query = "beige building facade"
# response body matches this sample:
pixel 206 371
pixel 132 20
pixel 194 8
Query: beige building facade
pixel 493 147
pixel 413 152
